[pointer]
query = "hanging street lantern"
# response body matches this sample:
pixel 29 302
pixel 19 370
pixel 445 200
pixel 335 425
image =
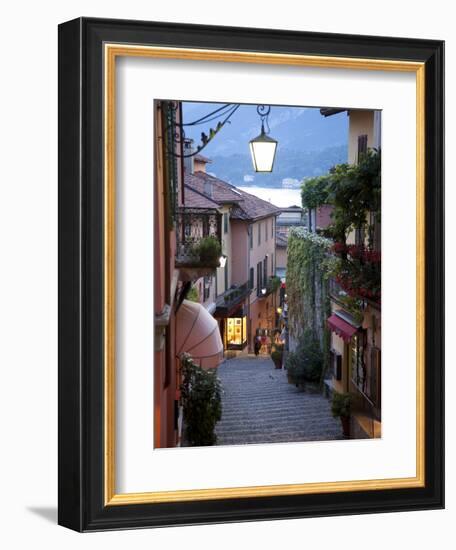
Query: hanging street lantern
pixel 263 148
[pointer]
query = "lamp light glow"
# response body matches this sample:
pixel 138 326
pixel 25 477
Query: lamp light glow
pixel 263 150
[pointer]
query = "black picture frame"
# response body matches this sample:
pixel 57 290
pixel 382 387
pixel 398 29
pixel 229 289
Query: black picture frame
pixel 81 473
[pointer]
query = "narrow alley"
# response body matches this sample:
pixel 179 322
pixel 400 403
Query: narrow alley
pixel 260 406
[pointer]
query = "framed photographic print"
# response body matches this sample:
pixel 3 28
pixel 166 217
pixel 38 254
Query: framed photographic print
pixel 250 274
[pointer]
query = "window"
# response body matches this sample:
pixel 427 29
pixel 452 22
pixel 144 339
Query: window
pixel 251 236
pixel 259 233
pixel 375 232
pixel 266 230
pixel 236 332
pixel 374 375
pixel 207 287
pixel 265 269
pixel 272 228
pixel 336 363
pixel 359 235
pixel 252 278
pixel 225 222
pixel 205 227
pixel 358 365
pixel 226 274
pixel 272 265
pixel 259 277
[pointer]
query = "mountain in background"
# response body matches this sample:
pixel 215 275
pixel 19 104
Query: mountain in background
pixel 309 144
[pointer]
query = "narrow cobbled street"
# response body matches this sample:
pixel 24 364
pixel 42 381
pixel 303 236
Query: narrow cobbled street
pixel 260 406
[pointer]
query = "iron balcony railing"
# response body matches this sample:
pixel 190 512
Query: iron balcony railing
pixel 336 292
pixel 231 298
pixel 268 287
pixel 290 222
pixel 198 237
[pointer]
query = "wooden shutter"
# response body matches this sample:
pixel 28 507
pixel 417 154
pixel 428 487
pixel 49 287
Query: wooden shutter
pixel 362 145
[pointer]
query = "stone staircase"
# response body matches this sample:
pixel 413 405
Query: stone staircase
pixel 259 406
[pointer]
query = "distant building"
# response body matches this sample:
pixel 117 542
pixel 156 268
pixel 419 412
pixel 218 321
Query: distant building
pixel 240 295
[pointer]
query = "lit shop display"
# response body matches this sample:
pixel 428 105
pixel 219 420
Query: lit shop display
pixel 235 332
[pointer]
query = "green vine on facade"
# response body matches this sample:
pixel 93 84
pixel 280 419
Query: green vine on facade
pixel 354 192
pixel 308 287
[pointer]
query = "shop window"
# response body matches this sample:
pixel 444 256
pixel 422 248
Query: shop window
pixel 236 332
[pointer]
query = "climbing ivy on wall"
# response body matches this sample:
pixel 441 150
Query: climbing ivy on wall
pixel 308 287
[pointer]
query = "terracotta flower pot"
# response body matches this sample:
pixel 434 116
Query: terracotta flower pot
pixel 345 420
pixel 278 363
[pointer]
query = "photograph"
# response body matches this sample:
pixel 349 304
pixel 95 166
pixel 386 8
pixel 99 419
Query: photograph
pixel 250 274
pixel 268 246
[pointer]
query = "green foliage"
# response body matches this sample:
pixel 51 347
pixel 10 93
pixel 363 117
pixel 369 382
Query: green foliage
pixel 315 192
pixel 341 404
pixel 193 294
pixel 276 355
pixel 358 271
pixel 353 190
pixel 207 251
pixel 354 306
pixel 307 285
pixel 305 364
pixel 201 395
pixel 275 283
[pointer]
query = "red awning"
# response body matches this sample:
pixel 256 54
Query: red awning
pixel 341 327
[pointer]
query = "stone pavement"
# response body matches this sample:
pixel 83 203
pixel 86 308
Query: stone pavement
pixel 260 406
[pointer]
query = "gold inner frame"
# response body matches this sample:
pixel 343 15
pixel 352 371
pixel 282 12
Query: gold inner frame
pixel 111 52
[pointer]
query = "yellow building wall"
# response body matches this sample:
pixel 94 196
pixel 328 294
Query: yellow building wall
pixel 361 123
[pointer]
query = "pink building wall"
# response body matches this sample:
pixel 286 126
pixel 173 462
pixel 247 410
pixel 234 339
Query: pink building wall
pixel 239 253
pixel 324 216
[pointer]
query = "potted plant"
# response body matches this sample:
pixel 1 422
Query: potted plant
pixel 341 405
pixel 295 370
pixel 209 251
pixel 276 356
pixel 201 398
pixel 304 365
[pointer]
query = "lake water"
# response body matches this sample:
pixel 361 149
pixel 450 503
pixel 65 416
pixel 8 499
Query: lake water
pixel 281 197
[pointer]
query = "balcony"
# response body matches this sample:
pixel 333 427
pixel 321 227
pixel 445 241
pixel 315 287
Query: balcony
pixel 228 301
pixel 198 242
pixel 336 292
pixel 268 287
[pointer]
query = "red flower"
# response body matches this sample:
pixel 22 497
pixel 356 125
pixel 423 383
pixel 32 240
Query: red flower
pixel 339 247
pixel 356 251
